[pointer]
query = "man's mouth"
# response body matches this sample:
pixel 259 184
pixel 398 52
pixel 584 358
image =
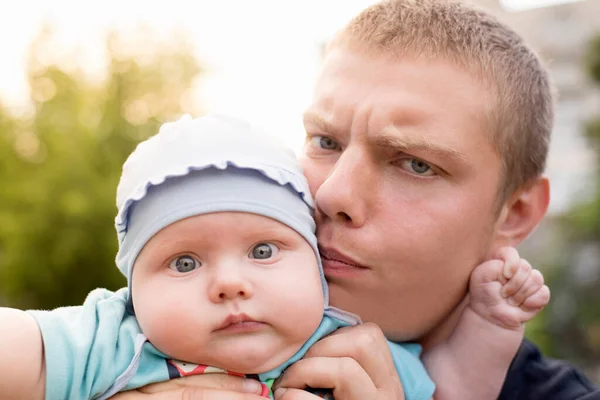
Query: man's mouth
pixel 335 260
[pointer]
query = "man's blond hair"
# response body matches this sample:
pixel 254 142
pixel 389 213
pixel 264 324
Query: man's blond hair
pixel 521 109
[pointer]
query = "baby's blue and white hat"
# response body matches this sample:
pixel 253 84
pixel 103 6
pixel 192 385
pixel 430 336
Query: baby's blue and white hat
pixel 209 164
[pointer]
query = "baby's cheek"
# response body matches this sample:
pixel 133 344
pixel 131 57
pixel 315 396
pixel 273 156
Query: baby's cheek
pixel 305 312
pixel 165 327
pixel 313 314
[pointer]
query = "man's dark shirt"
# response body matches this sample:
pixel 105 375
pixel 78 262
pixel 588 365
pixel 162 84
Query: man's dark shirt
pixel 532 376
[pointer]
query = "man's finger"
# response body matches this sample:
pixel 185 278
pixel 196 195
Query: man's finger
pixel 293 394
pixel 187 393
pixel 207 381
pixel 364 343
pixel 344 375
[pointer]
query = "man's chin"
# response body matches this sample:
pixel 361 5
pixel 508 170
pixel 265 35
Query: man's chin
pixel 395 326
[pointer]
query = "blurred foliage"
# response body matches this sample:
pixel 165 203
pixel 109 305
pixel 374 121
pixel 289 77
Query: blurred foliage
pixel 570 327
pixel 593 59
pixel 60 165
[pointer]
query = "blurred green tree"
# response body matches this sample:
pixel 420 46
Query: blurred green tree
pixel 570 327
pixel 60 165
pixel 582 225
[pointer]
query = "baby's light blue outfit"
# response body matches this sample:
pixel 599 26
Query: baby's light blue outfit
pixel 96 350
pixel 190 167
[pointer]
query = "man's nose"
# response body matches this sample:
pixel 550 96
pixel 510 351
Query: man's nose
pixel 348 192
pixel 228 283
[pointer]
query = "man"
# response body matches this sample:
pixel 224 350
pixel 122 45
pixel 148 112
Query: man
pixel 426 145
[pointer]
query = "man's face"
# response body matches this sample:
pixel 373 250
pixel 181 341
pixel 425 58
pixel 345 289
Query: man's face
pixel 405 180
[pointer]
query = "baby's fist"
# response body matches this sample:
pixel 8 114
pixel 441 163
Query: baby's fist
pixel 507 290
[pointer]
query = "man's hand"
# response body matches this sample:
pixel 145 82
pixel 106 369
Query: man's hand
pixel 198 387
pixel 355 362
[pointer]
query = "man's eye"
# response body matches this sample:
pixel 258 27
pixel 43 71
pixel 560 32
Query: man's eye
pixel 263 251
pixel 184 264
pixel 324 142
pixel 417 167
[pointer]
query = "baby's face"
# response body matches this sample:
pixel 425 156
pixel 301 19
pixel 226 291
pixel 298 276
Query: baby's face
pixel 232 290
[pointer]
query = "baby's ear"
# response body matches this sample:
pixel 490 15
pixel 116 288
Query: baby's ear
pixel 521 213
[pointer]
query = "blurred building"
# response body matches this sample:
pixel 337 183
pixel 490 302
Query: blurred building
pixel 560 34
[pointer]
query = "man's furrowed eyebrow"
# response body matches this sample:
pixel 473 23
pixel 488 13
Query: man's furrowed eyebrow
pixel 391 138
pixel 316 118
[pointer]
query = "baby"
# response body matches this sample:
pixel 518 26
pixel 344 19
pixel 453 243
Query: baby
pixel 217 241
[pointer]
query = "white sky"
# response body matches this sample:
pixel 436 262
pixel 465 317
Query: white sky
pixel 262 56
pixel 517 5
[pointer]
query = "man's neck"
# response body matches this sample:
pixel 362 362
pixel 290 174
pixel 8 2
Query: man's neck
pixel 442 331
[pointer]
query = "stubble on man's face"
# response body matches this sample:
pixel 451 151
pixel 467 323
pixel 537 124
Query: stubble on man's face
pixel 405 181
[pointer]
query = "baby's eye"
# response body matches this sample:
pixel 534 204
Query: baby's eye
pixel 262 251
pixel 184 264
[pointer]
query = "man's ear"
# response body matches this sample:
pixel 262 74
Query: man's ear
pixel 521 212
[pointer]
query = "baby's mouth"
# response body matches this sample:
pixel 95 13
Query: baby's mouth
pixel 239 323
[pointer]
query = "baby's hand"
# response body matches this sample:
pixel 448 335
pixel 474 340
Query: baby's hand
pixel 507 291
